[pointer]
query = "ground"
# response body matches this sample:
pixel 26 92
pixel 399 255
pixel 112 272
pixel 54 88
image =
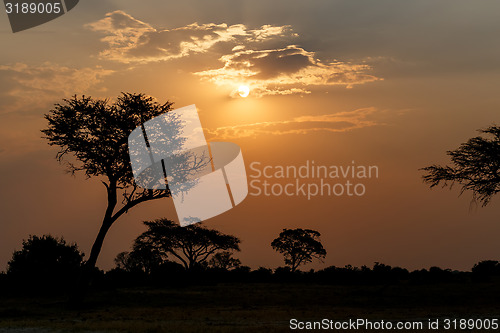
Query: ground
pixel 252 307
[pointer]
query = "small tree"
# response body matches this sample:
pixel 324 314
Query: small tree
pixel 486 267
pixel 192 245
pixel 44 262
pixel 475 167
pixel 140 259
pixel 299 247
pixel 224 260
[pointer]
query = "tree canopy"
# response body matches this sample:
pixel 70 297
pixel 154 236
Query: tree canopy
pixel 299 246
pixel 475 166
pixel 93 138
pixel 192 245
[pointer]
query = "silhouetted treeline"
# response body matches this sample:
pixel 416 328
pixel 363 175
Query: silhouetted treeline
pixel 48 265
pixel 173 274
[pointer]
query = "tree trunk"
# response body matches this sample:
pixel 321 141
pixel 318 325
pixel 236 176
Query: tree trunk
pixel 294 264
pixel 88 269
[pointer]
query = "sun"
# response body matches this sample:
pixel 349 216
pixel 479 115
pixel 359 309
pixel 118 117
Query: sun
pixel 243 91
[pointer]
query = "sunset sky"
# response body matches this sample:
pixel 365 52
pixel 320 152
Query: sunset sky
pixel 393 84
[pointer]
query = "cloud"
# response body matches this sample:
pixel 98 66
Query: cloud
pixel 284 71
pixel 33 85
pixel 133 41
pixel 277 69
pixel 335 122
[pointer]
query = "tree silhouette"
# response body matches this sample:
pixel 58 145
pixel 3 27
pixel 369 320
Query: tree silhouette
pixel 475 167
pixel 486 267
pixel 139 260
pixel 299 246
pixel 45 262
pixel 224 260
pixel 93 138
pixel 192 245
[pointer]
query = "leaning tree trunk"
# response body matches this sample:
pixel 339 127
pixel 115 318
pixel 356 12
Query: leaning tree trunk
pixel 88 268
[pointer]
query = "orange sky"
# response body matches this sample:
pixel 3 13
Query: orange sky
pixel 387 83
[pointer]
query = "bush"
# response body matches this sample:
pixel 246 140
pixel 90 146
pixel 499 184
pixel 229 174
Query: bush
pixel 44 264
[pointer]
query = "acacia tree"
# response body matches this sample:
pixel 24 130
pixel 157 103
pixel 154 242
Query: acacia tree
pixel 93 138
pixel 299 247
pixel 475 166
pixel 192 245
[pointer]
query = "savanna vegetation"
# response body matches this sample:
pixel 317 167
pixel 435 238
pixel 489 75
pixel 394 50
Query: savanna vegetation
pixel 190 279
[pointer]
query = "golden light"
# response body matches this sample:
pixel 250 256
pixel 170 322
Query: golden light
pixel 243 91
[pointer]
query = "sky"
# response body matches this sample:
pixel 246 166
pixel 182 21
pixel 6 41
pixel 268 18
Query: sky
pixel 392 84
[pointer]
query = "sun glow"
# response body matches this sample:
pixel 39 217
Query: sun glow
pixel 243 91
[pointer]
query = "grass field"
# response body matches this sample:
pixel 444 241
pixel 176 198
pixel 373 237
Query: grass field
pixel 253 307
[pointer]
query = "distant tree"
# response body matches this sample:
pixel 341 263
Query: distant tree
pixel 122 261
pixel 381 268
pixel 45 261
pixel 93 138
pixel 141 259
pixel 475 167
pixel 192 245
pixel 299 247
pixel 243 269
pixel 224 260
pixel 486 267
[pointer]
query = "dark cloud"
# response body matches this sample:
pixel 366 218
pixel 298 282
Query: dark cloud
pixel 289 70
pixel 272 63
pixel 132 41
